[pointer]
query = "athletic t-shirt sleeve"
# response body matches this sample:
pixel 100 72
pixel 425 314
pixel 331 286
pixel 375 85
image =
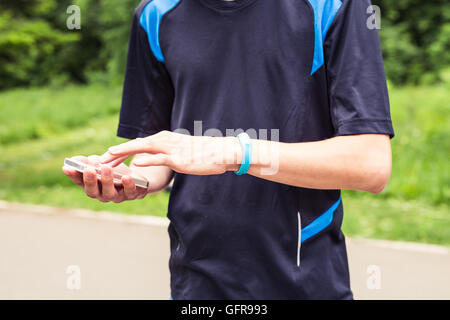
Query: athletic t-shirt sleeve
pixel 355 73
pixel 147 92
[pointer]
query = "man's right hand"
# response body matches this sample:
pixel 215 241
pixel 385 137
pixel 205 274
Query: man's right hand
pixel 105 189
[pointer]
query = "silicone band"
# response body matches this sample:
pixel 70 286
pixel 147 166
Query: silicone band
pixel 246 145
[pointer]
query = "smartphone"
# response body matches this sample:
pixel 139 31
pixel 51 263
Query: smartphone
pixel 117 175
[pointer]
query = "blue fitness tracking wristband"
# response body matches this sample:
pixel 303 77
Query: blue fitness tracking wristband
pixel 246 145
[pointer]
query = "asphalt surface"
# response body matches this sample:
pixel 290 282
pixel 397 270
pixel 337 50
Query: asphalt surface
pixel 51 253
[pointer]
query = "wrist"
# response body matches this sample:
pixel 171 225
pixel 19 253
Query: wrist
pixel 233 154
pixel 158 177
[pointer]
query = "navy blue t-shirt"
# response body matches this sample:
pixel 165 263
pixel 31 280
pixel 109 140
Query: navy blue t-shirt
pixel 312 69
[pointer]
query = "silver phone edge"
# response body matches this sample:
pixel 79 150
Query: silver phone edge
pixel 80 168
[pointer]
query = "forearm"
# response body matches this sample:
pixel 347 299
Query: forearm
pixel 359 162
pixel 348 162
pixel 158 176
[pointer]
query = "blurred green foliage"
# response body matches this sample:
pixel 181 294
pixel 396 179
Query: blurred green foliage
pixel 37 48
pixel 415 37
pixel 30 46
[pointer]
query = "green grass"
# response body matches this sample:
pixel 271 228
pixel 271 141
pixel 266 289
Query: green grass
pixel 40 127
pixel 369 216
pixel 421 148
pixel 38 113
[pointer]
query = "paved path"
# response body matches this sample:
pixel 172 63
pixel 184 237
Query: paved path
pixel 126 257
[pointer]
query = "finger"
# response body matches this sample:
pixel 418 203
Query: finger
pixel 108 190
pixel 115 162
pixel 81 159
pixel 94 160
pixel 159 159
pixel 140 145
pixel 101 199
pixel 120 196
pixel 131 147
pixel 126 149
pixel 74 175
pixel 129 187
pixel 90 183
pixel 142 192
pixel 108 157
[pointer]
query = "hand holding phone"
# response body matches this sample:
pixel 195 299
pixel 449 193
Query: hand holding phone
pixel 118 172
pixel 103 182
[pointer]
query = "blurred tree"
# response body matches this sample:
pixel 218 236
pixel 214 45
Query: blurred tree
pixel 30 43
pixel 37 48
pixel 415 38
pixel 101 51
